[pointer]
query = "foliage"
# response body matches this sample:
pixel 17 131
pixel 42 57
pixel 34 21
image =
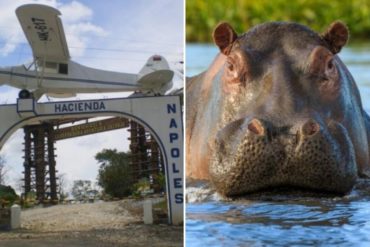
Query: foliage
pixel 3 170
pixel 7 195
pixel 115 175
pixel 140 187
pixel 203 15
pixel 81 189
pixel 62 184
pixel 162 205
pixel 159 182
pixel 29 200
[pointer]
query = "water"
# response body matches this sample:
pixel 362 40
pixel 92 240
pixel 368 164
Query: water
pixel 284 220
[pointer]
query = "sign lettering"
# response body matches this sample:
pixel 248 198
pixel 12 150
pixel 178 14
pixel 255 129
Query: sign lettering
pixel 90 128
pixel 40 26
pixel 175 155
pixel 79 107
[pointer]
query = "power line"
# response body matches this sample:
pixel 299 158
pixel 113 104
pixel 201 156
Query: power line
pixel 96 48
pixel 140 41
pixel 113 50
pixel 127 40
pixel 173 61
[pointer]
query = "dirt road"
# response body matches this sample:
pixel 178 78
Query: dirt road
pixel 94 224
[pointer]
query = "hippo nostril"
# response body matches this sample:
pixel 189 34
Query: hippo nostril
pixel 256 127
pixel 310 128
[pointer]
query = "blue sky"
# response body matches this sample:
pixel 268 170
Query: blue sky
pixel 113 35
pixel 133 29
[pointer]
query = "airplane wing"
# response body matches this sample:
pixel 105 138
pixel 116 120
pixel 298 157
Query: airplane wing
pixel 44 31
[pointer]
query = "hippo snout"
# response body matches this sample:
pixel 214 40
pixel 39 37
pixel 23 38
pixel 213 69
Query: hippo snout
pixel 254 154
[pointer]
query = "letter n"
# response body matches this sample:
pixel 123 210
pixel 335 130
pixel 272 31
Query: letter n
pixel 171 108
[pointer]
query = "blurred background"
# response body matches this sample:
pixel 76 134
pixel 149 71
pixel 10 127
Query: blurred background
pixel 203 15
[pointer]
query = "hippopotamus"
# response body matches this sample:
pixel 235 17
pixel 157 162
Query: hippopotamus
pixel 277 108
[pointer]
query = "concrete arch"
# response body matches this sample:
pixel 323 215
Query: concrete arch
pixel 26 111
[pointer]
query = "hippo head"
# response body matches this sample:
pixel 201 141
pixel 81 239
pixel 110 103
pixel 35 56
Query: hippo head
pixel 282 110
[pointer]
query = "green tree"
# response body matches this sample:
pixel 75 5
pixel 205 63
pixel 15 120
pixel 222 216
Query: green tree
pixel 7 195
pixel 115 175
pixel 62 183
pixel 3 170
pixel 80 189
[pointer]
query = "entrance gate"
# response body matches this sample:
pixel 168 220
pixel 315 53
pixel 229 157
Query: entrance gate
pixel 39 162
pixel 161 115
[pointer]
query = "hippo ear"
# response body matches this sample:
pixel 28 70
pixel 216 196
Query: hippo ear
pixel 223 36
pixel 336 36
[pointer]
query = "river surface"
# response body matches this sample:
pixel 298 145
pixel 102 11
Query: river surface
pixel 281 220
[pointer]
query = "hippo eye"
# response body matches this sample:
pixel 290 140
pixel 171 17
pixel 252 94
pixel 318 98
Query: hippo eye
pixel 330 65
pixel 235 69
pixel 230 66
pixel 330 70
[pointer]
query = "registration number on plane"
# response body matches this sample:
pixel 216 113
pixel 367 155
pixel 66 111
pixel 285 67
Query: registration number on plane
pixel 41 27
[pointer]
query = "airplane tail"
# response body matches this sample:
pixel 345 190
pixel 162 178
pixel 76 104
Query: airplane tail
pixel 156 75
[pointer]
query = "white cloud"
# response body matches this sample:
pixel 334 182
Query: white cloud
pixel 79 163
pixel 79 30
pixel 136 33
pixel 8 94
pixel 75 12
pixel 78 36
pixel 126 36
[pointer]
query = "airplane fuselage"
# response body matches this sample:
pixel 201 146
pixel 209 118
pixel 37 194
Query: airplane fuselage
pixel 70 78
pixel 74 79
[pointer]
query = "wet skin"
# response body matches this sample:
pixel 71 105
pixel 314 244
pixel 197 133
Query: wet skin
pixel 277 108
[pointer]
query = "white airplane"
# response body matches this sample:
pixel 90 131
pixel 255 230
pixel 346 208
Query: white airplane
pixel 54 74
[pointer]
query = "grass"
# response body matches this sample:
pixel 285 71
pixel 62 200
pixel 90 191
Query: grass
pixel 161 205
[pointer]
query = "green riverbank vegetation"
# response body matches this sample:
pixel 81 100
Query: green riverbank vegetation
pixel 203 15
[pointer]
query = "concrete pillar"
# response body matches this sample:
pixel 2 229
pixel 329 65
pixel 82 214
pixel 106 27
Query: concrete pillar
pixel 15 217
pixel 148 212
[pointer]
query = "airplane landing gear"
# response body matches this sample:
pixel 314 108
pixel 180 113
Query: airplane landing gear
pixel 24 94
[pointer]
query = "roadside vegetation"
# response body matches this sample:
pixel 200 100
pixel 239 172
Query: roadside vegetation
pixel 115 176
pixel 7 196
pixel 203 15
pixel 114 181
